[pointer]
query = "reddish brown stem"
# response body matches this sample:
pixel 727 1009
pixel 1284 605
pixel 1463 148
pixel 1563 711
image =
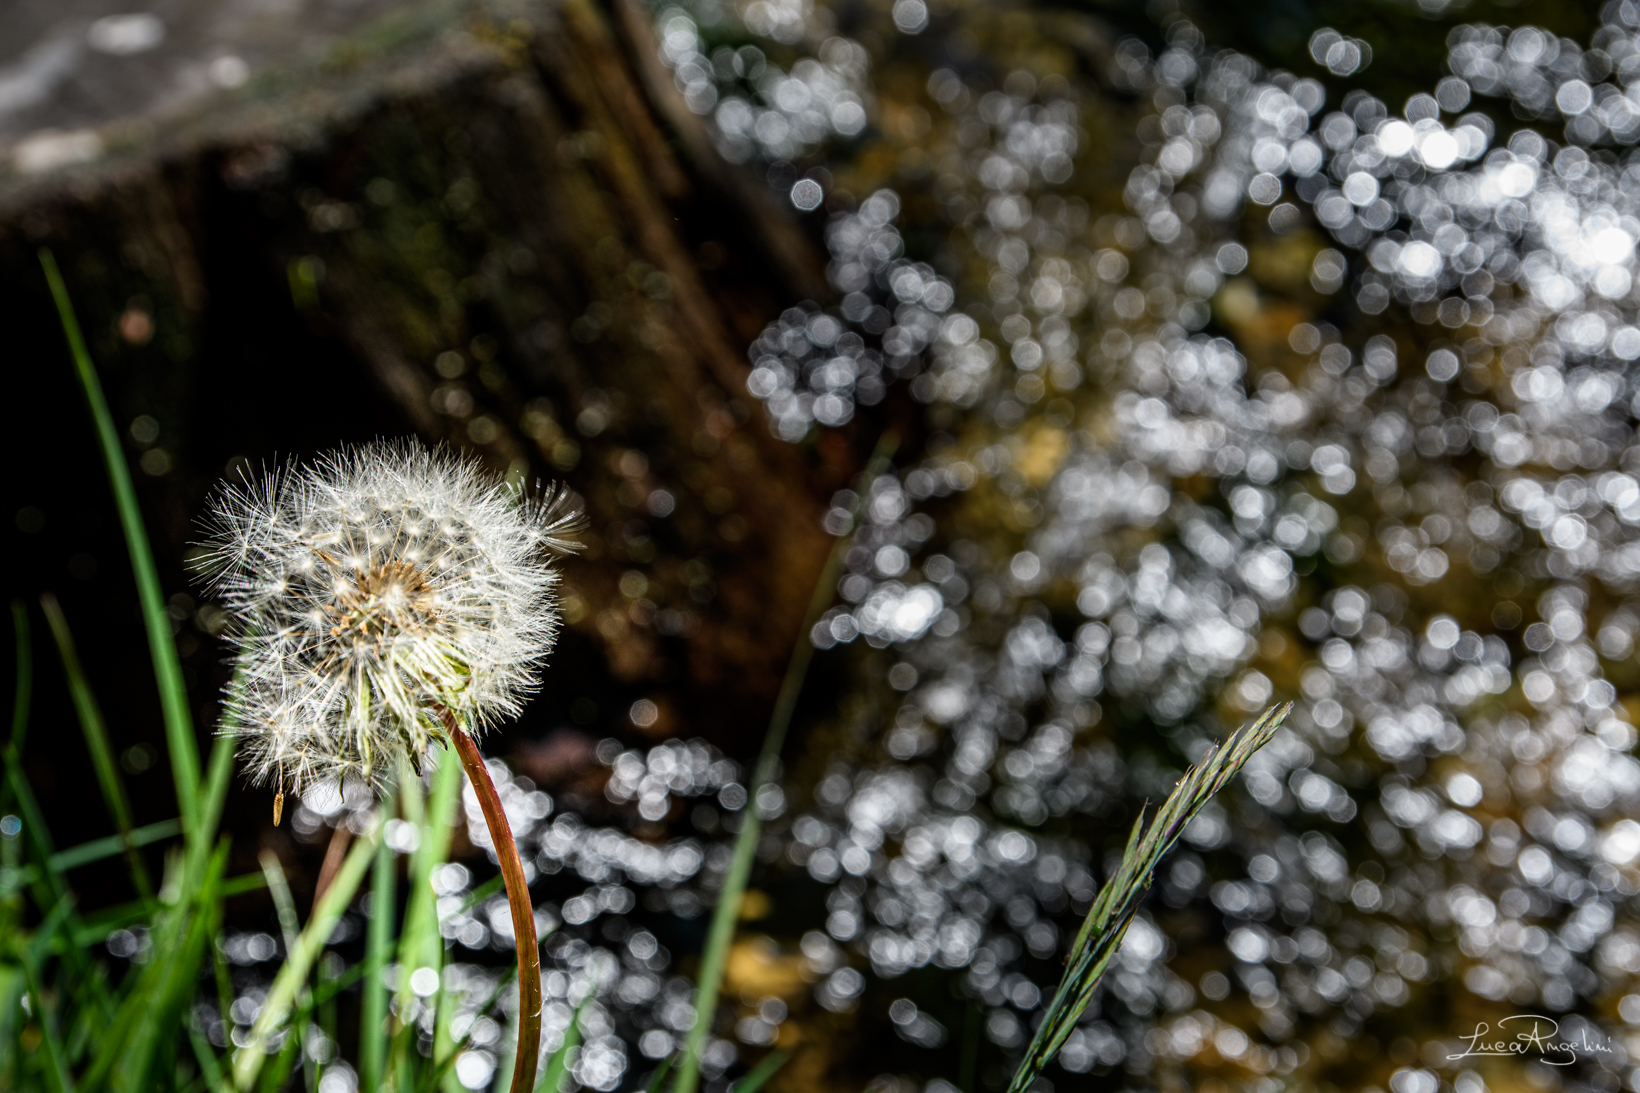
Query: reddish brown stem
pixel 518 899
pixel 334 853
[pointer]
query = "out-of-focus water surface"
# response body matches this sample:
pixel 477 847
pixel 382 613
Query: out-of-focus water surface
pixel 1239 384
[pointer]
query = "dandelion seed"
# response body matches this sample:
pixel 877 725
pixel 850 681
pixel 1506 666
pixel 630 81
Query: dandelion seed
pixel 380 598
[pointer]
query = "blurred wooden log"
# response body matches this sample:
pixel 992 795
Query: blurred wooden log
pixel 477 227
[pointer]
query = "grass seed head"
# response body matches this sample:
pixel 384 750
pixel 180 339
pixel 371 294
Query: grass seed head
pixel 373 593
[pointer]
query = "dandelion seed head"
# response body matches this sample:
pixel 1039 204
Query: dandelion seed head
pixel 372 592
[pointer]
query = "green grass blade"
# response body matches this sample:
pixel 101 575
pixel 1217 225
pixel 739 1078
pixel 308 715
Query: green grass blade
pixel 120 1032
pixel 33 957
pixel 22 698
pixel 50 886
pixel 480 894
pixel 50 930
pixel 299 960
pixel 552 1075
pixel 218 774
pixel 13 987
pixel 11 893
pixel 274 1076
pixel 22 694
pixel 441 1075
pixel 173 694
pixel 98 849
pixel 659 1078
pixel 220 974
pixel 420 945
pixel 412 798
pixel 443 1072
pixel 283 904
pixel 378 947
pixel 325 1001
pixel 90 715
pixel 502 1078
pixel 210 807
pixel 176 985
pixel 94 928
pixel 761 1073
pixel 507 1058
pixel 56 1063
pixel 129 1038
pixel 95 731
pixel 722 931
pixel 1108 919
pixel 322 994
pixel 238 886
pixel 210 1068
pixel 427 944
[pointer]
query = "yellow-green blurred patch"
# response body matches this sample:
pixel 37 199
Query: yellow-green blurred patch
pixel 756 968
pixel 1284 261
pixel 1044 448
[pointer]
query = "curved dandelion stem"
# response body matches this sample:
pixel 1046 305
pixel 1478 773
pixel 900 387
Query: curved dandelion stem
pixel 518 900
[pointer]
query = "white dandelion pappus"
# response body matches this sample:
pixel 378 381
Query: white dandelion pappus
pixel 380 596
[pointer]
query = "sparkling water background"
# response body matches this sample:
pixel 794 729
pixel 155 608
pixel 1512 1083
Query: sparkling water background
pixel 1253 386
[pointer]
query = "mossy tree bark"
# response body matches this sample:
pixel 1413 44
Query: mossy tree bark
pixel 495 230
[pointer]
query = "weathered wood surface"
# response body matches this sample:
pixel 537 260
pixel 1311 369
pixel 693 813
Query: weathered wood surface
pixel 486 223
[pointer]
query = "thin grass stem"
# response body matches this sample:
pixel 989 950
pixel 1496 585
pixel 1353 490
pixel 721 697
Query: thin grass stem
pixel 218 773
pixel 178 961
pixel 222 978
pixel 22 694
pixel 284 904
pixel 444 1072
pixel 210 1068
pixel 11 897
pixel 721 934
pixel 659 1077
pixel 99 849
pixel 757 1077
pixel 95 730
pixel 378 947
pixel 1112 911
pixel 49 886
pixel 420 944
pixel 299 959
pixel 173 693
pixel 56 1063
pixel 12 883
pixel 552 1079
